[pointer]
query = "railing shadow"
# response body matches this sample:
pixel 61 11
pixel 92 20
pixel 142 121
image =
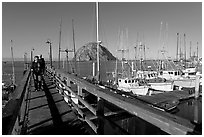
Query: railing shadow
pixel 58 127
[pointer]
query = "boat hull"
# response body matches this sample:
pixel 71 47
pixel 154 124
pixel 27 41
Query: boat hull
pixel 189 83
pixel 141 90
pixel 162 86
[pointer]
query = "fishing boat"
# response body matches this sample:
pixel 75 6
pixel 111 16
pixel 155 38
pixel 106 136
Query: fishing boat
pixel 151 77
pixel 133 85
pixel 156 83
pixel 126 82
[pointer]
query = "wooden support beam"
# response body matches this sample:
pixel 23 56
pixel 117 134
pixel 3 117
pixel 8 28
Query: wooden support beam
pixel 100 115
pixel 92 109
pixel 68 82
pixel 81 113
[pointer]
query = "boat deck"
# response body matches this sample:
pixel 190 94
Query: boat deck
pixel 167 100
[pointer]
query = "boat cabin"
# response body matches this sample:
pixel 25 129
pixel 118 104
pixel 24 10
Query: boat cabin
pixel 127 82
pixel 146 75
pixel 170 75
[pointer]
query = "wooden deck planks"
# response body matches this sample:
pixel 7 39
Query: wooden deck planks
pixel 47 107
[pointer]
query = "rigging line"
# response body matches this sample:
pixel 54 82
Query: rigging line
pixel 160 34
pixel 166 39
pixel 168 61
pixel 153 59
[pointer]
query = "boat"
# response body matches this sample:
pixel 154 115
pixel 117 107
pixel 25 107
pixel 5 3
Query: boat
pixel 151 77
pixel 179 78
pixel 133 85
pixel 156 83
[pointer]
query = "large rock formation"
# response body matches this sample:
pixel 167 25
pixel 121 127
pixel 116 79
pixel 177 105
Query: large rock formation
pixel 88 53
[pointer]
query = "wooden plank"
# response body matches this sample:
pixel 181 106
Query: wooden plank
pixel 39 114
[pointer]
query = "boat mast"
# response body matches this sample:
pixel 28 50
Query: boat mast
pixel 180 49
pixel 197 50
pixel 116 71
pixel 141 59
pixel 177 46
pixel 74 46
pixel 144 63
pixel 190 48
pixel 97 40
pixel 136 50
pixel 185 48
pixel 13 79
pixel 136 54
pixel 60 32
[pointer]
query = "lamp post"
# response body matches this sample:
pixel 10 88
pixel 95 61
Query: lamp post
pixel 50 44
pixel 31 55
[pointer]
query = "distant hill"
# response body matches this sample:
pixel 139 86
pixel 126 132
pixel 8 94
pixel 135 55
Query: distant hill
pixel 88 53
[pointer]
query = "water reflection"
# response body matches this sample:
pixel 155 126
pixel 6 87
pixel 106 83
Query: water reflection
pixel 191 110
pixel 187 109
pixel 132 126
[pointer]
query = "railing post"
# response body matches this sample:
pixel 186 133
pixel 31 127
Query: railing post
pixel 93 69
pixel 195 111
pixel 197 83
pixel 79 89
pixel 100 115
pixel 68 82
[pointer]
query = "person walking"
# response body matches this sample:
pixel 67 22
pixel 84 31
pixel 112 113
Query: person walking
pixel 36 69
pixel 42 63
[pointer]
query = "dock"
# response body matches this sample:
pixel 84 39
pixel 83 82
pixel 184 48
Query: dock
pixel 68 104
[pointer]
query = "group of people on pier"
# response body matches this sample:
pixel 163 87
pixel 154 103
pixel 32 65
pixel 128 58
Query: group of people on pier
pixel 38 70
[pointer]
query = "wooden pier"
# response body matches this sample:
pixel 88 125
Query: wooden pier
pixel 66 98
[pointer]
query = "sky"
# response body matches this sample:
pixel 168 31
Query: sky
pixel 29 25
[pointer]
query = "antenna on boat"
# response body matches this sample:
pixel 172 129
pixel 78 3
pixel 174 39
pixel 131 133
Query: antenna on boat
pixel 75 65
pixel 13 68
pixel 60 33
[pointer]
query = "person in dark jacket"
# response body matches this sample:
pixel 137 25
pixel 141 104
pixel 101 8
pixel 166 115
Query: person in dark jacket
pixel 36 69
pixel 42 64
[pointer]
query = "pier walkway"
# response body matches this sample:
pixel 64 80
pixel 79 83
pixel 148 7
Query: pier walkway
pixel 45 112
pixel 71 105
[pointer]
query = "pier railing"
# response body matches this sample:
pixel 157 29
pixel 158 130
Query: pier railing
pixel 165 121
pixel 13 114
pixel 74 90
